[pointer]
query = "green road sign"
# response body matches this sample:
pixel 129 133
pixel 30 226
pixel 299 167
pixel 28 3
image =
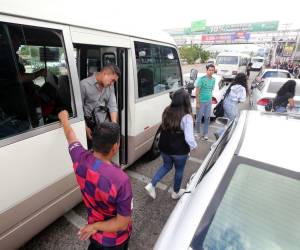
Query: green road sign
pixel 198 25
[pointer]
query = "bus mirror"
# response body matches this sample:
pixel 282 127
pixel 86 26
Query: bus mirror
pixel 193 74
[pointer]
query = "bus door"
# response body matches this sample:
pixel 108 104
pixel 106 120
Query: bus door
pixel 90 59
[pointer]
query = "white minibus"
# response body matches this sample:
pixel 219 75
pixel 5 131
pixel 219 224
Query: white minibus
pixel 38 184
pixel 229 64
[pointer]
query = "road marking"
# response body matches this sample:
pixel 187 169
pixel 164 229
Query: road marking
pixel 195 160
pixel 75 219
pixel 145 179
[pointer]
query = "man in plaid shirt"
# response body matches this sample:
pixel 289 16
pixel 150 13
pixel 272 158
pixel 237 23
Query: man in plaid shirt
pixel 105 188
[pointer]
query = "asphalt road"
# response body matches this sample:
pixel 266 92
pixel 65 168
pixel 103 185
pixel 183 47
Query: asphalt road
pixel 149 216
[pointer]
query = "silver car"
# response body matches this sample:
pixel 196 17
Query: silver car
pixel 271 73
pixel 245 194
pixel 265 91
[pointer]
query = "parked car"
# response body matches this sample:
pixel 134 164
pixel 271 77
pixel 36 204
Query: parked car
pixel 267 73
pixel 245 195
pixel 217 95
pixel 266 91
pixel 257 62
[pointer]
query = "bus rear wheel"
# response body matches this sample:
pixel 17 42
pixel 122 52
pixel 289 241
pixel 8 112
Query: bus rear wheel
pixel 154 151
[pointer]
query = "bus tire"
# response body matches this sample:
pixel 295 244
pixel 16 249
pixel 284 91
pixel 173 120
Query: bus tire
pixel 154 151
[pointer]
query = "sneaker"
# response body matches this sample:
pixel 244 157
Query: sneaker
pixel 151 190
pixel 176 196
pixel 204 138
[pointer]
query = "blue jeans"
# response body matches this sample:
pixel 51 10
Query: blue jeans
pixel 179 163
pixel 204 110
pixel 280 109
pixel 230 109
pixel 230 112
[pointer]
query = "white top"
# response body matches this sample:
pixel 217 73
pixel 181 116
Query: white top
pixel 187 125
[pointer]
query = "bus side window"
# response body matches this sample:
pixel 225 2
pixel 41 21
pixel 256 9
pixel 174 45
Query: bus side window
pixel 158 68
pixel 41 83
pixel 14 117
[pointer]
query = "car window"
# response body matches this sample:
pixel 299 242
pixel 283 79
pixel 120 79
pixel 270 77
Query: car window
pixel 277 74
pixel 227 60
pixel 256 206
pixel 221 84
pixel 257 60
pixel 219 149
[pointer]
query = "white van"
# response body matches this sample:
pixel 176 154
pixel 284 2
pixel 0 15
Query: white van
pixel 38 183
pixel 257 62
pixel 229 64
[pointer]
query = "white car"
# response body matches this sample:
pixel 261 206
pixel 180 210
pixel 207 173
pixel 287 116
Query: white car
pixel 265 91
pixel 257 62
pixel 217 95
pixel 268 73
pixel 245 195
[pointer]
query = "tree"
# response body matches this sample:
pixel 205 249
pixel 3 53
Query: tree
pixel 190 53
pixel 204 55
pixel 193 52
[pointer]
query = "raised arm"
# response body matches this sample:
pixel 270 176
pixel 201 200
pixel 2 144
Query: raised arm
pixel 69 133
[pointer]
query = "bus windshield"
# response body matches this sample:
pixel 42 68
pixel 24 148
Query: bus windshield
pixel 227 60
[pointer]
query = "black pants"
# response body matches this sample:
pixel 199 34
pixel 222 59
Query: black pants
pixel 94 245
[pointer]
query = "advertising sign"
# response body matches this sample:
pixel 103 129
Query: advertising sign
pixel 250 27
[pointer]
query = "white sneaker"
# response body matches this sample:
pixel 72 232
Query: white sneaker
pixel 204 138
pixel 151 190
pixel 176 196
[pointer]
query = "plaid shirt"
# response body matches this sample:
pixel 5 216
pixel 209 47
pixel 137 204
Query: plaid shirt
pixel 106 192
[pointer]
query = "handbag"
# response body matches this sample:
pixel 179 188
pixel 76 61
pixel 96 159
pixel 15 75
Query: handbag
pixel 219 109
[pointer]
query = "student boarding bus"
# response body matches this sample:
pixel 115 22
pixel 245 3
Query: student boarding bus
pixel 38 184
pixel 229 64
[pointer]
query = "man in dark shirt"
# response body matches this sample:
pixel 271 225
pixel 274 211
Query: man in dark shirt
pixel 105 188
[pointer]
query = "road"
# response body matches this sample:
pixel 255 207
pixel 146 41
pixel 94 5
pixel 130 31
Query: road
pixel 149 216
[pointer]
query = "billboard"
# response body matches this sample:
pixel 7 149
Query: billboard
pixel 250 27
pixel 288 49
pixel 226 38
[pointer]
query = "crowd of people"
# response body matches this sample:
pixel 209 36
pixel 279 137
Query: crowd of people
pixel 292 67
pixel 105 187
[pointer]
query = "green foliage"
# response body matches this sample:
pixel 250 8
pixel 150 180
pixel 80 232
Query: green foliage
pixel 190 53
pixel 193 52
pixel 204 55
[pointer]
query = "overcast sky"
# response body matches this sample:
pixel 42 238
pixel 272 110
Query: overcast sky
pixel 172 14
pixel 165 14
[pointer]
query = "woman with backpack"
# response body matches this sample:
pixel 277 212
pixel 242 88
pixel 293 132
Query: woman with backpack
pixel 176 141
pixel 236 93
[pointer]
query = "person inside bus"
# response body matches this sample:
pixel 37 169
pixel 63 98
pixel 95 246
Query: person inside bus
pixel 105 187
pixel 98 97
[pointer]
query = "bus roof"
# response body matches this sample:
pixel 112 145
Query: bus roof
pixel 96 16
